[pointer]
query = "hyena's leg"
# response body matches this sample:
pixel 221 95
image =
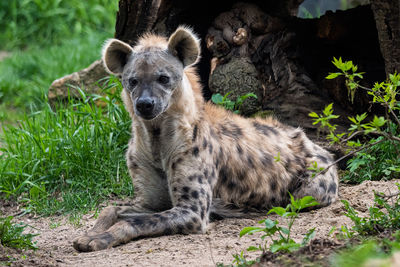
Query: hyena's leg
pixel 110 215
pixel 191 196
pixel 107 218
pixel 323 187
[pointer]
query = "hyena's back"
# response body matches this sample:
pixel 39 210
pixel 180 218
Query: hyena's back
pixel 258 161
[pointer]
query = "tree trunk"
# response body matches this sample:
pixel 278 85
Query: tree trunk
pixel 387 18
pixel 284 59
pixel 137 17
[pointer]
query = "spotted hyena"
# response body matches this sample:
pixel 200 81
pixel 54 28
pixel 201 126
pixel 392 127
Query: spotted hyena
pixel 189 159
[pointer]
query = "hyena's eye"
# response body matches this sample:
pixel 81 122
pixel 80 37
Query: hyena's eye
pixel 163 79
pixel 132 82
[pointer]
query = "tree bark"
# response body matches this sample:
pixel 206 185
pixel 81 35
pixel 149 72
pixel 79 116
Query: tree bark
pixel 285 59
pixel 387 18
pixel 136 17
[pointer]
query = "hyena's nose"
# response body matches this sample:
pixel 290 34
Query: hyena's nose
pixel 145 105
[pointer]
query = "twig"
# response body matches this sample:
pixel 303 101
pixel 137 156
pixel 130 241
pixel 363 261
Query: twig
pixel 211 253
pixel 386 197
pixel 388 136
pixel 18 213
pixel 351 136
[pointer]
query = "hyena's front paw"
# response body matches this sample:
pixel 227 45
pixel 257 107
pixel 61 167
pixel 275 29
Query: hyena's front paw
pixel 88 243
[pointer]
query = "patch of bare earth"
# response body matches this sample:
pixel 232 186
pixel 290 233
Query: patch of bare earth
pixel 216 246
pixel 4 54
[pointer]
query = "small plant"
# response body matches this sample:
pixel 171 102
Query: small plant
pixel 55 225
pixel 278 157
pixel 315 169
pixel 240 260
pixel 325 120
pixel 11 235
pixel 229 104
pixel 377 233
pixel 283 241
pixel 383 216
pixel 378 149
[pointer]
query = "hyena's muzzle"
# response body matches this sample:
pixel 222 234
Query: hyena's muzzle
pixel 146 105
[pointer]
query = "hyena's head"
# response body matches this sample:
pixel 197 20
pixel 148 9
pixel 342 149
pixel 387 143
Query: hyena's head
pixel 153 69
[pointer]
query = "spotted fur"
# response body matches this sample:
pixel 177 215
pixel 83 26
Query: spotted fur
pixel 189 159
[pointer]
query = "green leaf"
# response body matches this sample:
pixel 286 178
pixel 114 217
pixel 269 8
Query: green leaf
pixel 359 75
pixel 285 230
pixel 352 119
pixel 378 121
pixel 269 224
pixel 275 247
pixel 307 201
pixel 333 75
pixel 244 97
pixel 293 247
pixel 253 248
pixel 352 85
pixel 278 157
pixel 307 238
pixel 338 63
pixel 328 109
pixel 229 104
pixel 250 230
pixel 289 214
pixel 216 98
pixel 294 203
pixel 278 210
pixel 361 117
pixel 347 65
pixel 333 229
pixel 313 115
pixel 226 96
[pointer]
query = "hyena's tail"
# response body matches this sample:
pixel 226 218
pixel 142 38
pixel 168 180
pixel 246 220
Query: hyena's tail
pixel 221 210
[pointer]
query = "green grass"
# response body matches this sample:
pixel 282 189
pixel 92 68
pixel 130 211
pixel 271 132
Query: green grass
pixel 49 22
pixel 11 235
pixel 47 40
pixel 26 76
pixel 70 159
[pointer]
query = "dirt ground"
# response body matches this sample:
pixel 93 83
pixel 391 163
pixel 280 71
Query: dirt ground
pixel 4 54
pixel 216 246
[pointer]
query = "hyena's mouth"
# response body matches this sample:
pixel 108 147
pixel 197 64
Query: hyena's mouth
pixel 149 114
pixel 145 115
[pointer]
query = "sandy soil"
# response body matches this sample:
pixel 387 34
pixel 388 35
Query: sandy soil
pixel 216 246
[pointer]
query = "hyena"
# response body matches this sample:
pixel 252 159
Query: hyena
pixel 189 159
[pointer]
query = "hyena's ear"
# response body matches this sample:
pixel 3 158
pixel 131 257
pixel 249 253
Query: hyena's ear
pixel 185 45
pixel 115 55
